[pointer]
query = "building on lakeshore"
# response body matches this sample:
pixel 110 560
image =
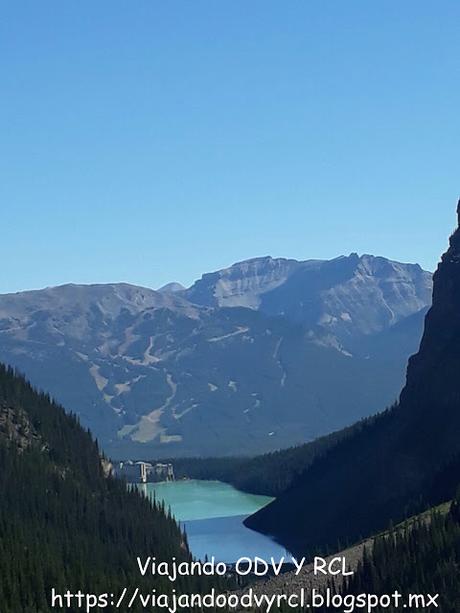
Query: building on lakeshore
pixel 145 472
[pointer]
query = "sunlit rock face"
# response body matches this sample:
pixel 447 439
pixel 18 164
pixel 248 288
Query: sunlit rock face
pixel 345 296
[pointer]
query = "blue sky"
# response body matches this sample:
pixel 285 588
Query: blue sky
pixel 153 141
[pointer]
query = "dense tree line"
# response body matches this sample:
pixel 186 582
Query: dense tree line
pixel 423 559
pixel 269 473
pixel 63 523
pixel 419 557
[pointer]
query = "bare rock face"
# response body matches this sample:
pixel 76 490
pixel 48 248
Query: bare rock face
pixel 342 297
pixel 242 284
pixel 16 428
pixel 433 373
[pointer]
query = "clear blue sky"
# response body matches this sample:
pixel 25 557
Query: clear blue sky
pixel 151 141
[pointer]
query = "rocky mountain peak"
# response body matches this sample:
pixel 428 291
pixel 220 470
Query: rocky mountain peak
pixel 172 288
pixel 242 283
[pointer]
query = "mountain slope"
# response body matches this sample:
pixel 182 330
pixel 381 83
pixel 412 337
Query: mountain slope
pixel 343 297
pixel 422 558
pixel 387 468
pixel 244 283
pixel 268 474
pixel 153 373
pixel 63 522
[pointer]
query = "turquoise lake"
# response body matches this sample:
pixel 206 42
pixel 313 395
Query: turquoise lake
pixel 213 513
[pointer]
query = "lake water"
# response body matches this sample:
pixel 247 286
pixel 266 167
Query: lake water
pixel 213 513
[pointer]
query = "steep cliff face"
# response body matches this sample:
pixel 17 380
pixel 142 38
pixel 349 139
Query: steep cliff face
pixel 433 373
pixel 243 283
pixel 386 469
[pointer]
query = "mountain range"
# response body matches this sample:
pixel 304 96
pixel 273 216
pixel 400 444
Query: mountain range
pixel 261 355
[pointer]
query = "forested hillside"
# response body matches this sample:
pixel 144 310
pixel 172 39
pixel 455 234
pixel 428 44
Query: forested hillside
pixel 423 559
pixel 396 465
pixel 268 474
pixel 63 522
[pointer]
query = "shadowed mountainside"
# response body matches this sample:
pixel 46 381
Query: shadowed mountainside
pixel 64 522
pixel 386 469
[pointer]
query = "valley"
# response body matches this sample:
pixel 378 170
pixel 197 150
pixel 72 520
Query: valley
pixel 229 342
pixel 305 499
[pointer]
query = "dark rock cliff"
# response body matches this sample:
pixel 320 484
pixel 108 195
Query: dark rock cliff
pixel 433 374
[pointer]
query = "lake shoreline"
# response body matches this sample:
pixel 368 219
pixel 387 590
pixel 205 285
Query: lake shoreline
pixel 212 514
